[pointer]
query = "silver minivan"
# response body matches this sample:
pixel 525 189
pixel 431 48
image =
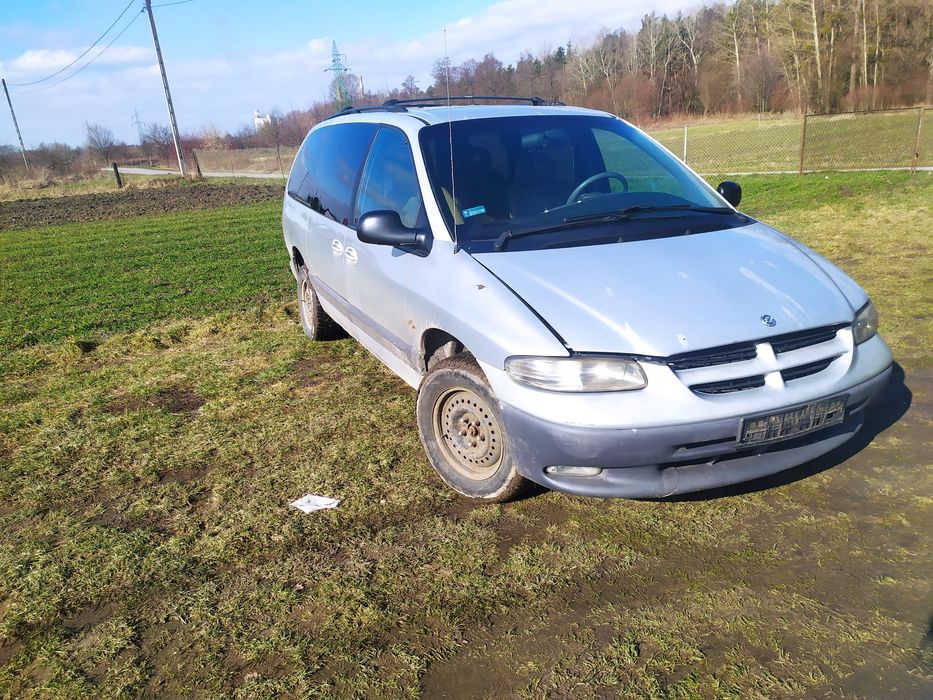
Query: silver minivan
pixel 574 305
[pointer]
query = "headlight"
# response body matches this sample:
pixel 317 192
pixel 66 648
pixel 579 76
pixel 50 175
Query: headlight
pixel 578 374
pixel 865 324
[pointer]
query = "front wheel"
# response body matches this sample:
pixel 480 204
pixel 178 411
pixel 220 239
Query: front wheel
pixel 462 432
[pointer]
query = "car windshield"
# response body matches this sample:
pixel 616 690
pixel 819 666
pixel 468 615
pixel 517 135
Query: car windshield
pixel 542 174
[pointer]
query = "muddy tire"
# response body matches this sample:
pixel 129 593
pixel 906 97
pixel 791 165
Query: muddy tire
pixel 462 432
pixel 316 323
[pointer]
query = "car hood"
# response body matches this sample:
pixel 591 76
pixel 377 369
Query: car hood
pixel 670 295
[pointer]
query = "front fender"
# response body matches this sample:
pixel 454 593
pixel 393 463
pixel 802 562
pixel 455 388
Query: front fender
pixel 456 294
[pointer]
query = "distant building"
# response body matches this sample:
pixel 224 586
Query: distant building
pixel 259 120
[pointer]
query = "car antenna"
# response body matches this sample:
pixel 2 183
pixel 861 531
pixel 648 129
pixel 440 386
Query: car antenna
pixel 450 133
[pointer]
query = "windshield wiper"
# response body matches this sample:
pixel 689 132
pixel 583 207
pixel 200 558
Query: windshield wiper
pixel 564 225
pixel 623 214
pixel 612 217
pixel 509 234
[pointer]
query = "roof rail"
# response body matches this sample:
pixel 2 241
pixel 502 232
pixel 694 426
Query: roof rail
pixel 368 108
pixel 431 101
pixel 403 105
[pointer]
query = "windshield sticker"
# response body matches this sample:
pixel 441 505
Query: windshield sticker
pixel 473 211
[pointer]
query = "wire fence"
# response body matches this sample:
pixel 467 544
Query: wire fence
pixel 893 139
pixel 867 140
pixel 246 162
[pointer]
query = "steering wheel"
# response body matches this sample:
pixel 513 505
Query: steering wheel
pixel 608 175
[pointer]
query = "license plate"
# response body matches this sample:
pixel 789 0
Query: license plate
pixel 793 422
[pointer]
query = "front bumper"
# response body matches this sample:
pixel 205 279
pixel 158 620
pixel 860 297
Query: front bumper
pixel 662 461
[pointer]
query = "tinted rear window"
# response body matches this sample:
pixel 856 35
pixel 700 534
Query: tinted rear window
pixel 328 167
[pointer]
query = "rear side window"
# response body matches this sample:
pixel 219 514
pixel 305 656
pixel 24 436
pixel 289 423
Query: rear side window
pixel 328 168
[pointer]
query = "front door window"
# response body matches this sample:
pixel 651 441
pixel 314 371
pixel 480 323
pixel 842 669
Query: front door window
pixel 389 180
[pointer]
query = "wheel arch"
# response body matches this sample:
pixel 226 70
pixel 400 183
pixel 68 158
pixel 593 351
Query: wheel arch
pixel 436 345
pixel 297 260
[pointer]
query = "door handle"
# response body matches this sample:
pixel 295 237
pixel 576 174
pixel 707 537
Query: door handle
pixel 350 255
pixel 336 247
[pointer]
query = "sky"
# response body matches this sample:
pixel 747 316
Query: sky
pixel 226 58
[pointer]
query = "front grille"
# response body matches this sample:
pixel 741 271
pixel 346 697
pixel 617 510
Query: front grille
pixel 789 375
pixel 803 339
pixel 714 370
pixel 717 356
pixel 730 385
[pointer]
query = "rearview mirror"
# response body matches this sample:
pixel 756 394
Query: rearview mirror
pixel 386 228
pixel 731 192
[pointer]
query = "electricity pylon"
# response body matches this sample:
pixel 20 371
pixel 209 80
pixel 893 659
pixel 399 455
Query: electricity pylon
pixel 341 93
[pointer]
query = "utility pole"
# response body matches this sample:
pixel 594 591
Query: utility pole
pixel 168 94
pixel 22 148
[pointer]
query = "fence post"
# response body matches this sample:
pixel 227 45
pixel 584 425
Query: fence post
pixel 278 155
pixel 197 165
pixel 685 145
pixel 116 175
pixel 918 143
pixel 803 141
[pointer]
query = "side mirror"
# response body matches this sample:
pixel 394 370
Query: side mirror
pixel 731 192
pixel 386 228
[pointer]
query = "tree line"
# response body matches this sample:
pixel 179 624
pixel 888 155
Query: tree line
pixel 799 56
pixel 750 55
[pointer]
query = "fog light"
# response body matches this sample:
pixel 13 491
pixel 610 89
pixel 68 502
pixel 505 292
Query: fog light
pixel 574 471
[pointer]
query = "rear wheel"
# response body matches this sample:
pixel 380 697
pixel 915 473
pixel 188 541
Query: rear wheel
pixel 462 431
pixel 316 323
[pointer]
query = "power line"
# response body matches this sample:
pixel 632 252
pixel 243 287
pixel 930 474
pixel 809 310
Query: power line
pixel 167 4
pixel 96 42
pixel 101 53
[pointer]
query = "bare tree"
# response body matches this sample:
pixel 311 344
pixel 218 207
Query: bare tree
pixel 270 134
pixel 734 28
pixel 212 138
pixel 606 59
pixel 689 34
pixel 410 87
pixel 583 67
pixel 157 140
pixel 100 140
pixel 929 97
pixel 816 47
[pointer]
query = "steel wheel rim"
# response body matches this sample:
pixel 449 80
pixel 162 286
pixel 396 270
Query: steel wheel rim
pixel 468 432
pixel 307 304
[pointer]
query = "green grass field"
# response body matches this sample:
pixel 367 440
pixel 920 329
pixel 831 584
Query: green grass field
pixel 159 408
pixel 837 142
pixel 95 278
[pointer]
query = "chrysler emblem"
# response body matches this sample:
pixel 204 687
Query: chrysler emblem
pixel 769 321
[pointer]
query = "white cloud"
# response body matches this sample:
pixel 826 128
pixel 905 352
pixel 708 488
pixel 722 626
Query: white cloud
pixel 224 90
pixel 34 64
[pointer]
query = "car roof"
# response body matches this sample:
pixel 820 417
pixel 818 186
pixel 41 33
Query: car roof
pixel 443 113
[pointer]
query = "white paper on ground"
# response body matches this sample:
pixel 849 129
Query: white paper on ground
pixel 310 503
